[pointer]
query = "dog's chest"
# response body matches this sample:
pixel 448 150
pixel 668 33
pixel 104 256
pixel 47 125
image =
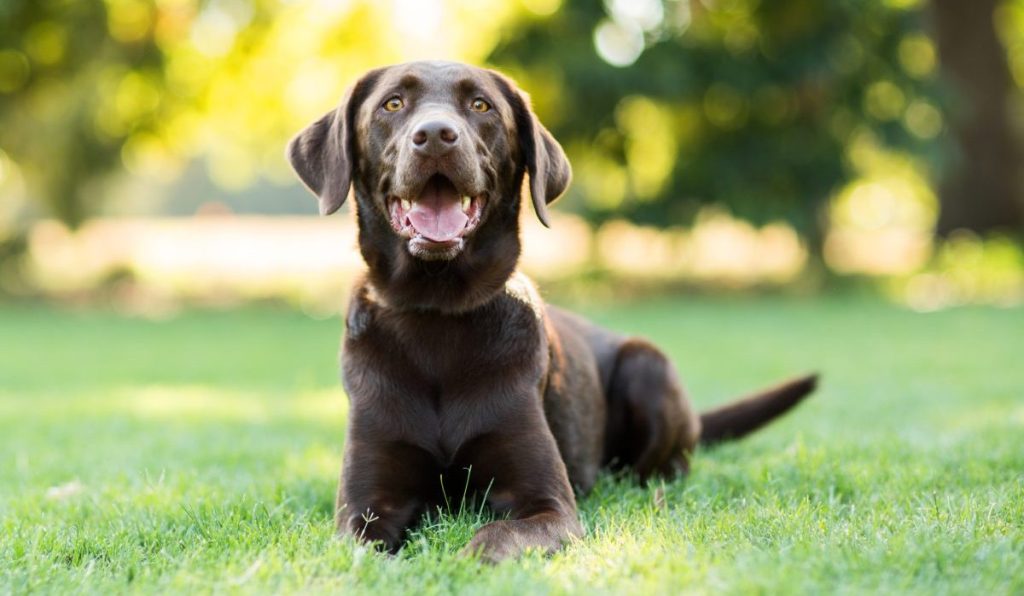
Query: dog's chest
pixel 436 380
pixel 452 351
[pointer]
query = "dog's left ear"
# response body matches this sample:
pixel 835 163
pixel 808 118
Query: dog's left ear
pixel 543 158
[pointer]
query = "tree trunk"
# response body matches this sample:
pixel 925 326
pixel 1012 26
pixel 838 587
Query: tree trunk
pixel 982 189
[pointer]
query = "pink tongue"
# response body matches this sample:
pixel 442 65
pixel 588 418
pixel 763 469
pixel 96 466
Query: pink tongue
pixel 437 213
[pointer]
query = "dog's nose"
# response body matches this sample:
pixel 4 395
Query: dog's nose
pixel 434 137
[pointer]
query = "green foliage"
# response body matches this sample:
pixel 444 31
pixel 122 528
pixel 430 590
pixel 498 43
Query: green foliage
pixel 95 87
pixel 744 103
pixel 76 81
pixel 750 104
pixel 205 450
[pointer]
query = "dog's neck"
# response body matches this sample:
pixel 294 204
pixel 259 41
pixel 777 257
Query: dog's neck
pixel 470 281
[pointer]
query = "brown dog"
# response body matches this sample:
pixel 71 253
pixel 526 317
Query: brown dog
pixel 457 372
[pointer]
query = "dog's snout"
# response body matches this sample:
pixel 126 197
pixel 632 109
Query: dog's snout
pixel 435 137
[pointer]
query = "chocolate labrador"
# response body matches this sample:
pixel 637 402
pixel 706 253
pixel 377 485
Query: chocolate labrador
pixel 457 372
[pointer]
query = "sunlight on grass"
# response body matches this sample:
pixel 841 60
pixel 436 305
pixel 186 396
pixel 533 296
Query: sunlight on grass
pixel 184 403
pixel 219 474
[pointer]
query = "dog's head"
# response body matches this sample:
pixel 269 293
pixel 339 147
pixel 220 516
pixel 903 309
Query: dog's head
pixel 437 151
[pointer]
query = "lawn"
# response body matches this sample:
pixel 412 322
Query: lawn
pixel 201 454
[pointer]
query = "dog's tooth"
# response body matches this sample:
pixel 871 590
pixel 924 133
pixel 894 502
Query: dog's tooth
pixel 466 202
pixel 406 204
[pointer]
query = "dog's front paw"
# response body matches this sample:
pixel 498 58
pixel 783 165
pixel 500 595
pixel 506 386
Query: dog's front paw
pixel 368 528
pixel 493 543
pixel 545 532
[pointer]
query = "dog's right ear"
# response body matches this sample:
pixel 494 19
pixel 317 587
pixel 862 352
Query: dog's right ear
pixel 322 154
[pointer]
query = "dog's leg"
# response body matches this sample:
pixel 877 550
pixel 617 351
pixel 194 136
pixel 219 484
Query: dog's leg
pixel 383 491
pixel 652 427
pixel 524 477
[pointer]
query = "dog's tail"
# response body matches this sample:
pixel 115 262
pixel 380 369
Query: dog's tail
pixel 743 416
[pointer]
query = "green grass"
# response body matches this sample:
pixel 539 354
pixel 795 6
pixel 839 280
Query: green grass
pixel 201 454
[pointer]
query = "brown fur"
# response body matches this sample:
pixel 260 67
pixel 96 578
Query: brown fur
pixel 456 370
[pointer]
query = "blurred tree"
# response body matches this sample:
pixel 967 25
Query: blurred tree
pixel 669 105
pixel 77 80
pixel 983 191
pixel 91 87
pixel 665 106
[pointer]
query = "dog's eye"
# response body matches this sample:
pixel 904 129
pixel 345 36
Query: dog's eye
pixel 480 105
pixel 394 104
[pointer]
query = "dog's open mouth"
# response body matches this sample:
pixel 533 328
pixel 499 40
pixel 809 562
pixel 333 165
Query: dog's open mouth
pixel 437 221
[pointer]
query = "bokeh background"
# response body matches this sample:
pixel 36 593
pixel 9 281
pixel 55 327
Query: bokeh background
pixel 762 188
pixel 718 145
